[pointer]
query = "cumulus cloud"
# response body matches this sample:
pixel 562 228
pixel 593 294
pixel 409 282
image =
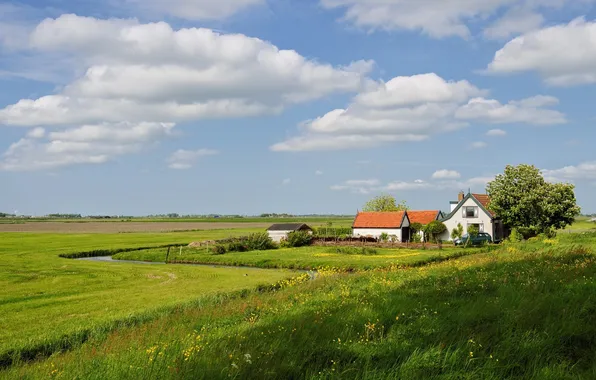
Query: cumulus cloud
pixel 88 144
pixel 582 171
pixel 196 9
pixel 446 174
pixel 151 73
pixel 496 133
pixel 410 109
pixel 448 17
pixel 185 159
pixel 563 54
pixel 529 111
pixel 376 186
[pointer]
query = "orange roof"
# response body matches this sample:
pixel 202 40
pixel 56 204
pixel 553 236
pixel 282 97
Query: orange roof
pixel 379 219
pixel 422 217
pixel 484 201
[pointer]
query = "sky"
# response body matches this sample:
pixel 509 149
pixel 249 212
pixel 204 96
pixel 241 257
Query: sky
pixel 139 107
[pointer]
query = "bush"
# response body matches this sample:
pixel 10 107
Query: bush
pixel 237 246
pixel 384 237
pixel 434 229
pixel 298 239
pixel 259 241
pixel 515 236
pixel 353 250
pixel 218 249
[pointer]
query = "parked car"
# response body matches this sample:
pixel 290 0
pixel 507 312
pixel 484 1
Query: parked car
pixel 479 239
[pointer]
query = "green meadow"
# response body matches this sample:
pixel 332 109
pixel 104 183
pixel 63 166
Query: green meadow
pixel 525 310
pixel 518 310
pixel 311 257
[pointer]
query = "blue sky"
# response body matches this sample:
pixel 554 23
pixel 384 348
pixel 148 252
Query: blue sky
pixel 251 106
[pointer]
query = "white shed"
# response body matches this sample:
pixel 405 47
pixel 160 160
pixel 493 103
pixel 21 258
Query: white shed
pixel 280 231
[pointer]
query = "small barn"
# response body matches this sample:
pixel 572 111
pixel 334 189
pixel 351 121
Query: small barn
pixel 374 224
pixel 424 218
pixel 279 231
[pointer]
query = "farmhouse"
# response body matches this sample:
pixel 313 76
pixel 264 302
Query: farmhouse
pixel 279 231
pixel 424 218
pixel 472 209
pixel 373 224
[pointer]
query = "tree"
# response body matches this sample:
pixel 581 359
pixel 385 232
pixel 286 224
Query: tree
pixel 457 232
pixel 434 229
pixel 415 229
pixel 384 203
pixel 473 231
pixel 522 198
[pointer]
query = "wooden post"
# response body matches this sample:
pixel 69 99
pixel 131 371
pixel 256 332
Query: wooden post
pixel 168 253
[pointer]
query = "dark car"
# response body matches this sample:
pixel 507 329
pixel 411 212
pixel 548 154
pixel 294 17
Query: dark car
pixel 481 238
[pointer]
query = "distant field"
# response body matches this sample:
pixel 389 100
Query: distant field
pixel 150 225
pixel 45 299
pixel 301 258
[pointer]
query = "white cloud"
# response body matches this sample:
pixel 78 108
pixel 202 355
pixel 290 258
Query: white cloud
pixel 563 54
pixel 496 133
pixel 185 159
pixel 36 133
pixel 286 181
pixel 446 174
pixel 515 21
pixel 409 109
pixel 530 111
pixel 583 171
pixel 437 184
pixel 443 18
pixel 88 144
pixel 318 172
pixel 149 73
pixel 478 145
pixel 196 9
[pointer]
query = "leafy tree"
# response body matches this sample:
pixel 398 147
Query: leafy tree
pixel 434 229
pixel 457 232
pixel 522 198
pixel 473 231
pixel 415 228
pixel 384 203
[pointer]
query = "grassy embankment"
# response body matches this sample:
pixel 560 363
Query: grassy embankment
pixel 524 311
pixel 301 258
pixel 48 302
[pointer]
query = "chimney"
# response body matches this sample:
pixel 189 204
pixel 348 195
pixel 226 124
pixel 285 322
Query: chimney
pixel 460 196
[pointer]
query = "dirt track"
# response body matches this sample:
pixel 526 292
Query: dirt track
pixel 115 227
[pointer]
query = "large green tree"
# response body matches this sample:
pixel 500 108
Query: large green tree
pixel 521 197
pixel 384 202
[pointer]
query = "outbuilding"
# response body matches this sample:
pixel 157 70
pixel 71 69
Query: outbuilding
pixel 374 224
pixel 280 231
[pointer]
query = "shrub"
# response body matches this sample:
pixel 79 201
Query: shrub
pixel 237 246
pixel 259 241
pixel 415 228
pixel 384 237
pixel 298 239
pixel 457 232
pixel 515 236
pixel 353 250
pixel 218 249
pixel 434 229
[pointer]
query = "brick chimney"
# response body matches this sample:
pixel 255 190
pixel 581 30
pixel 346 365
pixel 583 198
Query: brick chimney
pixel 460 196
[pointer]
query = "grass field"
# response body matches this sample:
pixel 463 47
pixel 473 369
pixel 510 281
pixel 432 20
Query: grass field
pixel 45 299
pixel 524 311
pixel 301 258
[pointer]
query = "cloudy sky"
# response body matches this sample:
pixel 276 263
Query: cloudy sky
pixel 311 106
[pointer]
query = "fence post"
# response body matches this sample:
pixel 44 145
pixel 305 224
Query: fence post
pixel 168 253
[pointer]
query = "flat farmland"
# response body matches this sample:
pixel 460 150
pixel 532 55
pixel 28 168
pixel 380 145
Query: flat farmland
pixel 119 227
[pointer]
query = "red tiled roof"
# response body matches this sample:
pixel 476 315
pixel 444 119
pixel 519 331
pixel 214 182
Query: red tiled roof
pixel 379 219
pixel 422 217
pixel 484 200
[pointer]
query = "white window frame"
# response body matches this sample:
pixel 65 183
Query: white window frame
pixel 465 212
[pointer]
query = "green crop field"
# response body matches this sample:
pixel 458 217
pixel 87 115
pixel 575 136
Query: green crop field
pixel 301 258
pixel 525 311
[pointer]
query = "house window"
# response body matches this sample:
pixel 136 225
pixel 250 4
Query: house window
pixel 470 212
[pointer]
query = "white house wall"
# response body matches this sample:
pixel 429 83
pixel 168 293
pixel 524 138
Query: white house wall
pixel 483 219
pixel 376 232
pixel 278 235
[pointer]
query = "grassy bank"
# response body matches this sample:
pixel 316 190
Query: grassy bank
pixel 48 302
pixel 300 258
pixel 525 311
